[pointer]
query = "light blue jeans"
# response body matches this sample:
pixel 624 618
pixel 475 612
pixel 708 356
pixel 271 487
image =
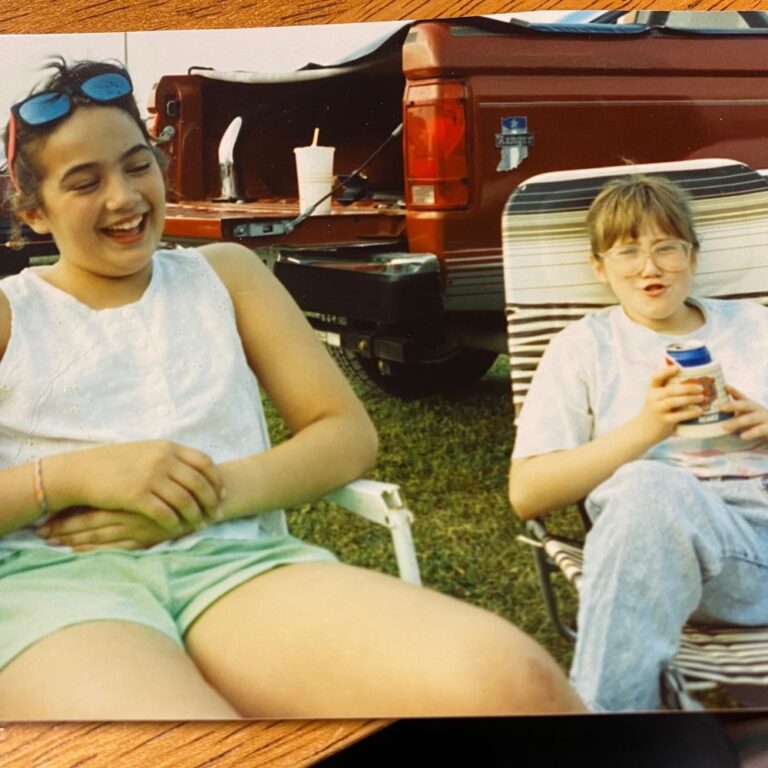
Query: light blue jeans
pixel 664 546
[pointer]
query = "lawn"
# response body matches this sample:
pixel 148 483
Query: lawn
pixel 450 455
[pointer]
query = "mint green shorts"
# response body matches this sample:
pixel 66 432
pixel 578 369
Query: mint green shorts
pixel 43 590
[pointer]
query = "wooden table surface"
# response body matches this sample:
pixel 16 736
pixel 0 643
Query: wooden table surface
pixel 45 16
pixel 230 744
pixel 223 744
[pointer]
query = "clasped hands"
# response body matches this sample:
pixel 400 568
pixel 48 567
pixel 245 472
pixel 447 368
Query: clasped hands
pixel 135 495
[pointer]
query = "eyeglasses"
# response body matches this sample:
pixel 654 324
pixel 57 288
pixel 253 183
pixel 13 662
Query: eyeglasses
pixel 669 255
pixel 49 106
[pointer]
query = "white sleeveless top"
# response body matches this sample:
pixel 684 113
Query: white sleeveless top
pixel 170 366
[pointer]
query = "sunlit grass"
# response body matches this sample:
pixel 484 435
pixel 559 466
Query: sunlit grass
pixel 450 455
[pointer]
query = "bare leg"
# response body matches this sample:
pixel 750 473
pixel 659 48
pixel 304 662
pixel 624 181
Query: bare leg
pixel 105 670
pixel 326 640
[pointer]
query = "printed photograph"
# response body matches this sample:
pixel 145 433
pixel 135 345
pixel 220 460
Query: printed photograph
pixel 397 369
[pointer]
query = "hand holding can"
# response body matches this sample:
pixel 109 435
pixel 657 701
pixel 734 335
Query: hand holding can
pixel 697 367
pixel 749 419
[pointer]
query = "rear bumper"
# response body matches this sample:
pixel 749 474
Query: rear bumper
pixel 390 289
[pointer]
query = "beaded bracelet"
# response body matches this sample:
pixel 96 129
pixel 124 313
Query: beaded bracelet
pixel 42 501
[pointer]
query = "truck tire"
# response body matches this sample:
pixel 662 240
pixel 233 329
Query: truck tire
pixel 449 369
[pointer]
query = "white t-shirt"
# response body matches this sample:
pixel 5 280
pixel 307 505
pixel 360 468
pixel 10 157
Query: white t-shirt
pixel 595 374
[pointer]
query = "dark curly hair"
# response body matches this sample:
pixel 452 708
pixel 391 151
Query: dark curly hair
pixel 65 78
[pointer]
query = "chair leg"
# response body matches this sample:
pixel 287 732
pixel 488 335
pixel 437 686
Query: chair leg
pixel 545 569
pixel 674 694
pixel 402 539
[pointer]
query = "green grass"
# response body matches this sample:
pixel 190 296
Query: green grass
pixel 450 455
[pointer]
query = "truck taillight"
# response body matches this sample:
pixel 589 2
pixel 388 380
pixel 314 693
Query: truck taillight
pixel 435 137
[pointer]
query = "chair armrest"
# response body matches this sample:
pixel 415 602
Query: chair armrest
pixel 381 503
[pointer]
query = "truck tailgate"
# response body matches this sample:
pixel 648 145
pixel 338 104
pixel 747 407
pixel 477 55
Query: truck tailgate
pixel 270 222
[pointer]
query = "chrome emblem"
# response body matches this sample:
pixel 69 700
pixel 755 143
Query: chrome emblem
pixel 513 141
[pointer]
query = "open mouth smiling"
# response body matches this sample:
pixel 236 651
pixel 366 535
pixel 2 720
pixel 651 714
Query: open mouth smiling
pixel 127 229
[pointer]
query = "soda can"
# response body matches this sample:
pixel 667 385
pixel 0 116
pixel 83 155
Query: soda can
pixel 697 366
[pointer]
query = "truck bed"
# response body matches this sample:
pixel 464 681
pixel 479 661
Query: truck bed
pixel 267 222
pixel 590 95
pixel 447 117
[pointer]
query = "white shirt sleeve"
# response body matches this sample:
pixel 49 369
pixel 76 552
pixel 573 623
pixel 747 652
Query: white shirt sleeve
pixel 556 414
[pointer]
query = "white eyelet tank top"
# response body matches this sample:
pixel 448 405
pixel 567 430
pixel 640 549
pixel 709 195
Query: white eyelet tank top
pixel 169 366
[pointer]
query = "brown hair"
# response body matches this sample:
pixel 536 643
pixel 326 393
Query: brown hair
pixel 65 79
pixel 623 204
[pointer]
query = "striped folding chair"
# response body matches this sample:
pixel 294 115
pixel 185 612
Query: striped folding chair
pixel 549 283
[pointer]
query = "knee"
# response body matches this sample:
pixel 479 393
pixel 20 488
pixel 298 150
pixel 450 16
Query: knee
pixel 499 670
pixel 648 525
pixel 645 496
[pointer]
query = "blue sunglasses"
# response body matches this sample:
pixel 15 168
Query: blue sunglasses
pixel 49 106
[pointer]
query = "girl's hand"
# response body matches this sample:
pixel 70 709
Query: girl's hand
pixel 667 404
pixel 750 419
pixel 170 484
pixel 85 529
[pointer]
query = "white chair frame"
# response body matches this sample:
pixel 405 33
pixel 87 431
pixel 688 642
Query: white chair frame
pixel 381 503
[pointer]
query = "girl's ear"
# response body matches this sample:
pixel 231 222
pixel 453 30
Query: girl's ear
pixel 36 220
pixel 598 267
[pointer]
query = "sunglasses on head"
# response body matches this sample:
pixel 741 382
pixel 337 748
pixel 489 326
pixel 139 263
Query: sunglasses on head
pixel 49 106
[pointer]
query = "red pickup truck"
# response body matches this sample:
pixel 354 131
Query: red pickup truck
pixel 433 129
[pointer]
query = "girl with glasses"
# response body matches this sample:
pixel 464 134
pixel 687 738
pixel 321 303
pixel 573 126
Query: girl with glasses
pixel 680 524
pixel 145 568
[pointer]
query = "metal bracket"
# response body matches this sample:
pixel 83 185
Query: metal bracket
pixel 262 228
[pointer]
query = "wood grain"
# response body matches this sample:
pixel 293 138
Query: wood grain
pixel 44 16
pixel 289 744
pixel 278 744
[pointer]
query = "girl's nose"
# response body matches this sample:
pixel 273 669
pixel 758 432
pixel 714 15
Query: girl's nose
pixel 121 193
pixel 650 267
